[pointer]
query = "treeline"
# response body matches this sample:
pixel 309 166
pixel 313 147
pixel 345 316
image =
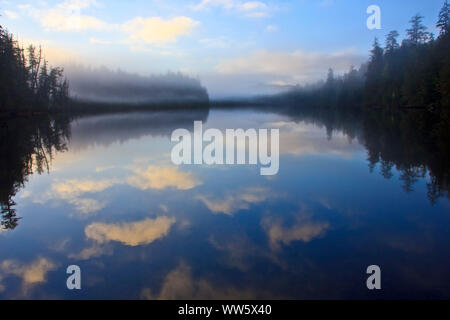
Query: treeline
pixel 102 85
pixel 415 73
pixel 27 82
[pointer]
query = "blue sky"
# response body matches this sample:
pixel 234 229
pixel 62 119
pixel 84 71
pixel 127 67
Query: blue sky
pixel 235 47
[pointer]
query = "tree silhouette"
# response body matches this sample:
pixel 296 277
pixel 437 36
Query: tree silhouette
pixel 391 41
pixel 417 33
pixel 27 83
pixel 444 19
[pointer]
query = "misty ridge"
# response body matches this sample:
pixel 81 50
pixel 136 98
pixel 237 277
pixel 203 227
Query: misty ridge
pixel 102 85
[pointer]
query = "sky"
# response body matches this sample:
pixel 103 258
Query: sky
pixel 235 47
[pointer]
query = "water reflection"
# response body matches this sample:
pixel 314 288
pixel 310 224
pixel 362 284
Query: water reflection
pixel 140 227
pixel 416 143
pixel 27 146
pixel 104 130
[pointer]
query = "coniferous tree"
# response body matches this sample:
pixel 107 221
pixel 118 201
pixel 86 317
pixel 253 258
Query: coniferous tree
pixel 417 33
pixel 391 41
pixel 26 84
pixel 444 19
pixel 374 74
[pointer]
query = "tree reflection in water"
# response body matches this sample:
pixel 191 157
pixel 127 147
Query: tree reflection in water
pixel 27 146
pixel 415 143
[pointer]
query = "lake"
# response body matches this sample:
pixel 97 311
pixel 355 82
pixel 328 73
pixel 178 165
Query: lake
pixel 351 191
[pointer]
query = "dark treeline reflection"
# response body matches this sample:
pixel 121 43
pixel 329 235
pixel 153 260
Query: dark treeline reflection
pixel 415 142
pixel 27 146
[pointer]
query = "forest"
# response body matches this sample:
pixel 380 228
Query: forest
pixel 30 86
pixel 27 83
pixel 412 73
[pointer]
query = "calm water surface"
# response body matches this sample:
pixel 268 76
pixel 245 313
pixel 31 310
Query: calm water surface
pixel 140 227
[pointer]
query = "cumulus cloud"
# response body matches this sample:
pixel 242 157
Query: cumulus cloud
pixel 80 192
pixel 59 20
pixel 67 17
pixel 31 274
pixel 232 203
pixel 131 234
pixel 303 230
pixel 73 192
pixel 77 187
pixel 156 30
pixel 162 177
pixel 179 284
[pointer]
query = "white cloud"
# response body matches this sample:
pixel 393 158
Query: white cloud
pixel 156 30
pixel 81 192
pixel 73 191
pixel 232 203
pixel 58 20
pixel 303 230
pixel 32 274
pixel 251 6
pixel 67 17
pixel 131 234
pixel 162 177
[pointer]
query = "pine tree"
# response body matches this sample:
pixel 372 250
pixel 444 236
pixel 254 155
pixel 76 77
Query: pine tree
pixel 24 82
pixel 444 19
pixel 391 41
pixel 417 34
pixel 373 75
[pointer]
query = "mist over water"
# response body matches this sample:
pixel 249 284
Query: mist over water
pixel 106 86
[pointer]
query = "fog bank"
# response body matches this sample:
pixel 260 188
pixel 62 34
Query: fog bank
pixel 106 86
